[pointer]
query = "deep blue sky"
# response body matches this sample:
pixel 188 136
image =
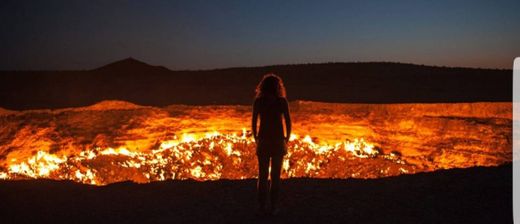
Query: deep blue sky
pixel 64 35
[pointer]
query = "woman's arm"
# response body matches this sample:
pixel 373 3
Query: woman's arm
pixel 254 119
pixel 287 118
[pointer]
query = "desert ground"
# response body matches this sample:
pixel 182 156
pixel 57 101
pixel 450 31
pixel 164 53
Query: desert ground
pixel 471 195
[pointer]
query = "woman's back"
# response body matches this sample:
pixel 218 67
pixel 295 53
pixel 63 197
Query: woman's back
pixel 271 110
pixel 270 105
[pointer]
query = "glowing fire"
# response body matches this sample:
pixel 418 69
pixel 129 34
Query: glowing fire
pixel 116 141
pixel 200 157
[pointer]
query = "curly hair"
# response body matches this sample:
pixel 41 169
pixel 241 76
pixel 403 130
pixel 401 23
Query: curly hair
pixel 270 84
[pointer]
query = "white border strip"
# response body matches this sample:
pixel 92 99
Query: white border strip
pixel 516 140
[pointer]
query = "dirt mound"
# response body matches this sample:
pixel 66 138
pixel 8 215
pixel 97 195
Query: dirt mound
pixel 111 105
pixel 6 112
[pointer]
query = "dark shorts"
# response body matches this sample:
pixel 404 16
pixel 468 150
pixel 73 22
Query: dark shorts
pixel 271 148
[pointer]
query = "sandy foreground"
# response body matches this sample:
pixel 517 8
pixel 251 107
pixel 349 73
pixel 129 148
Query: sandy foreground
pixel 472 195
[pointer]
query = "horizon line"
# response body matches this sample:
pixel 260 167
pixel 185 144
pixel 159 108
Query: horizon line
pixel 261 66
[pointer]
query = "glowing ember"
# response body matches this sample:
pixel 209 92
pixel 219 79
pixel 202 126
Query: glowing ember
pixel 200 158
pixel 102 144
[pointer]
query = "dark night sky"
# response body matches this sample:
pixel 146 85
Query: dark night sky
pixel 64 35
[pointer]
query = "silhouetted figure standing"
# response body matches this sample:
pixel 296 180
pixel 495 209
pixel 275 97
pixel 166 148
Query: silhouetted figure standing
pixel 271 143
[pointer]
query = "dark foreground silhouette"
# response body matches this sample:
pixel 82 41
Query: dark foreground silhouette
pixel 272 108
pixel 474 195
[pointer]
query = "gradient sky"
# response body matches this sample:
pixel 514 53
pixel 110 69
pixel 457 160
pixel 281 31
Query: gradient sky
pixel 65 35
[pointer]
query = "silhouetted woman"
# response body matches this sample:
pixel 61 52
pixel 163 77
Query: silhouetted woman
pixel 271 142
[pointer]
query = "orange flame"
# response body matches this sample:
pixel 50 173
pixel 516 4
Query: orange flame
pixel 117 141
pixel 208 156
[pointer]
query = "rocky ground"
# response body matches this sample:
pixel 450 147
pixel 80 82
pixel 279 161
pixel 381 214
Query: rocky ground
pixel 473 195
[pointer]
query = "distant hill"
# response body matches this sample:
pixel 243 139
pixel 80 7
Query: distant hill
pixel 130 65
pixel 144 84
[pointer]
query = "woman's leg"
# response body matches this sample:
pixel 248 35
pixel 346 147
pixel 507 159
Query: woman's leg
pixel 276 169
pixel 262 184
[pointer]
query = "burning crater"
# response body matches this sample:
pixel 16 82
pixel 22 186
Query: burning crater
pixel 115 141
